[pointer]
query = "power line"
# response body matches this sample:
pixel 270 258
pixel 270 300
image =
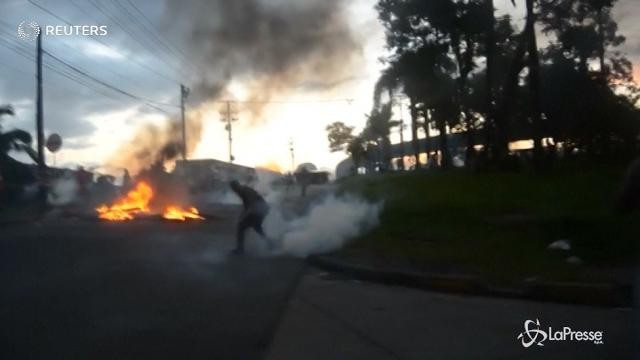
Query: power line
pixel 7 44
pixel 160 37
pixel 152 102
pixel 15 49
pixel 107 85
pixel 15 68
pixel 59 72
pixel 151 34
pixel 91 16
pixel 126 29
pixel 75 78
pixel 316 101
pixel 97 39
pixel 23 46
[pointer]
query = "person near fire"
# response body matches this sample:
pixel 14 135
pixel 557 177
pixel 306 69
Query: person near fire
pixel 83 180
pixel 254 210
pixel 126 182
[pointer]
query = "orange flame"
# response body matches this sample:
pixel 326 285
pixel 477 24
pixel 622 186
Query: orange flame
pixel 173 212
pixel 137 201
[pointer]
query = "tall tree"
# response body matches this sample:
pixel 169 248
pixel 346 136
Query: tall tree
pixel 533 64
pixel 339 136
pixel 378 130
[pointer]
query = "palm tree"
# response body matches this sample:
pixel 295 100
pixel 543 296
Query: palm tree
pixel 16 139
pixel 378 130
pixel 6 110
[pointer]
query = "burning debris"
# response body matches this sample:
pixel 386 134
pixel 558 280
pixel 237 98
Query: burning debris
pixel 174 212
pixel 137 201
pixel 134 202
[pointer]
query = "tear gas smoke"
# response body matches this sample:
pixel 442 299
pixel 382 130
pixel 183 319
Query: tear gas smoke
pixel 328 225
pixel 63 191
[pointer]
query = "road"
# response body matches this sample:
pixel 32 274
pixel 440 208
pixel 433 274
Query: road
pixel 79 288
pixel 148 289
pixel 331 317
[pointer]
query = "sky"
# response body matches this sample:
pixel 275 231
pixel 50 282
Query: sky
pixel 316 64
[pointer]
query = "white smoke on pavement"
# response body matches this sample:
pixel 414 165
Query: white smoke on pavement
pixel 222 196
pixel 63 191
pixel 328 225
pixel 320 223
pixel 264 185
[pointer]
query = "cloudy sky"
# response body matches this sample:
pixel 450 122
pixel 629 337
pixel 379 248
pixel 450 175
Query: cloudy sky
pixel 291 66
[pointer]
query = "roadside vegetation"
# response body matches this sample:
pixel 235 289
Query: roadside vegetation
pixel 499 225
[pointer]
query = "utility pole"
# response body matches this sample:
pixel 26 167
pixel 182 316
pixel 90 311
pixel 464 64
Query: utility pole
pixel 293 161
pixel 42 166
pixel 229 131
pixel 184 92
pixel 226 117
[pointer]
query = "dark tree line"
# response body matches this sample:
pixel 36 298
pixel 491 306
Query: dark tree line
pixel 494 80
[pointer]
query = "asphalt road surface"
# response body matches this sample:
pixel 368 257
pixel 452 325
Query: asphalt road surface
pixel 147 289
pixel 79 288
pixel 331 317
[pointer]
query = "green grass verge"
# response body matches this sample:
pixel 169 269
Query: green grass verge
pixel 499 224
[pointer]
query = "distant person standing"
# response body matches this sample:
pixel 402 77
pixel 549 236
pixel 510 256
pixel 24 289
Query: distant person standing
pixel 303 178
pixel 83 180
pixel 126 181
pixel 254 210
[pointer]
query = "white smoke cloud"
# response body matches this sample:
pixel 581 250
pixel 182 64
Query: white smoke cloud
pixel 328 226
pixel 63 191
pixel 223 196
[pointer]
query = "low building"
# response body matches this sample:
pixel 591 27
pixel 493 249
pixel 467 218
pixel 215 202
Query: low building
pixel 210 174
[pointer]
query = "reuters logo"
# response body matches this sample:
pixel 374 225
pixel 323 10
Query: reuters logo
pixel 28 30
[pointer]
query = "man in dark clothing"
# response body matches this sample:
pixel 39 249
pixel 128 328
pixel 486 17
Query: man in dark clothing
pixel 255 209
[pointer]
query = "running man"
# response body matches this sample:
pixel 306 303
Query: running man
pixel 255 209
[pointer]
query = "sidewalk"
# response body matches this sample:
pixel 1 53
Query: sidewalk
pixel 331 317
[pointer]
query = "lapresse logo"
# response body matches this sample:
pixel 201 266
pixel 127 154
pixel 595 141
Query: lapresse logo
pixel 533 334
pixel 29 30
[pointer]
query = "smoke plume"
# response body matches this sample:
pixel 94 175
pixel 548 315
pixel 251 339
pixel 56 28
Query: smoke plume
pixel 157 143
pixel 272 46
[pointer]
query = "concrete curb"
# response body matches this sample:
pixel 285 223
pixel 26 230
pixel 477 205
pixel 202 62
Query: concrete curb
pixel 605 295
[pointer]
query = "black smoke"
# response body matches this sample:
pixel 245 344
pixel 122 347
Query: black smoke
pixel 272 45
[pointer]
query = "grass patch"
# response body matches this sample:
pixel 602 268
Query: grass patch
pixel 499 224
